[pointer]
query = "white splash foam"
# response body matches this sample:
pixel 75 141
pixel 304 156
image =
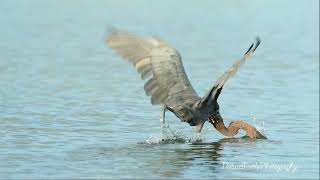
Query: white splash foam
pixel 260 128
pixel 169 135
pixel 197 137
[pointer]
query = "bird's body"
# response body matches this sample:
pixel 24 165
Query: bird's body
pixel 160 65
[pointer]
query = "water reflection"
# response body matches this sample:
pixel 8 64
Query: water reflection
pixel 204 156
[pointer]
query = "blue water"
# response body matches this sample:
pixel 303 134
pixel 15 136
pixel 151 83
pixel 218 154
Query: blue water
pixel 71 108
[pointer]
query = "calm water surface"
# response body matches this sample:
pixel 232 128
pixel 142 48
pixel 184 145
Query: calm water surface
pixel 71 108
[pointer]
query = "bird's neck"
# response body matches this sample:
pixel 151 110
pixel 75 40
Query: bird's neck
pixel 233 128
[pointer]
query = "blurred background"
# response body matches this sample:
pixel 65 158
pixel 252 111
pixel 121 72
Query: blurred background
pixel 71 108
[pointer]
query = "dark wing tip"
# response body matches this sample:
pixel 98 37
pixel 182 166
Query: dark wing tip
pixel 111 29
pixel 256 44
pixel 249 48
pixel 258 41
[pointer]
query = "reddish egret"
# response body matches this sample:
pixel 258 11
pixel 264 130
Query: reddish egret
pixel 166 82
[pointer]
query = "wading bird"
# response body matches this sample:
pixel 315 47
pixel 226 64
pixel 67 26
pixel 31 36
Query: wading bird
pixel 166 82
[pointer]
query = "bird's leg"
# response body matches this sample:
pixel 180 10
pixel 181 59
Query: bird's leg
pixel 163 115
pixel 199 127
pixel 164 126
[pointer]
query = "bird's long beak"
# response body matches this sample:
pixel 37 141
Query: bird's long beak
pixel 199 127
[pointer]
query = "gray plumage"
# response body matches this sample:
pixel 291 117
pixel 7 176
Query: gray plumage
pixel 161 67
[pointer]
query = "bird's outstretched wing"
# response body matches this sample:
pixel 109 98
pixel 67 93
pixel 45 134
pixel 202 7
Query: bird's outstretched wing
pixel 158 63
pixel 214 92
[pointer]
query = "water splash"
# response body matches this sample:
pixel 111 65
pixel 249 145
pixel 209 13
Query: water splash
pixel 167 136
pixel 260 128
pixel 170 135
pixel 197 137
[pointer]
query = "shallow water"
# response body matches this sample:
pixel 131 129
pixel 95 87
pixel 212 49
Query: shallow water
pixel 70 107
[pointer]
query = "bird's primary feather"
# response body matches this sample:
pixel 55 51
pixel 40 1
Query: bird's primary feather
pixel 159 64
pixel 214 92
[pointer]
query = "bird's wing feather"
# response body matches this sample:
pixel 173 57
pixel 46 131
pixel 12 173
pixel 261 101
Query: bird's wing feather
pixel 214 92
pixel 159 64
